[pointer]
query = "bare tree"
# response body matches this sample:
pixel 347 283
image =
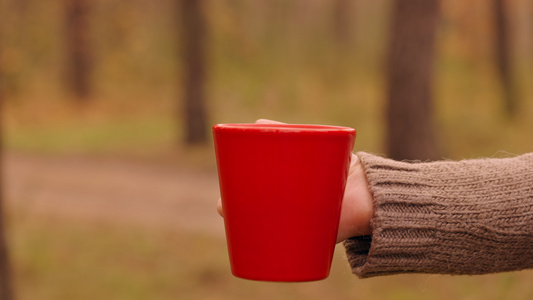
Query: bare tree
pixel 411 52
pixel 503 46
pixel 77 23
pixel 194 68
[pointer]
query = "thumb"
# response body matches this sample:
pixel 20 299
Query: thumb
pixel 219 207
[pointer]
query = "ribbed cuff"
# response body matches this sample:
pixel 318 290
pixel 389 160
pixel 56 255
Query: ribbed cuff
pixel 467 217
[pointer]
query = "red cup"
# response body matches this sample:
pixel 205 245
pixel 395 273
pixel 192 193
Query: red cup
pixel 282 187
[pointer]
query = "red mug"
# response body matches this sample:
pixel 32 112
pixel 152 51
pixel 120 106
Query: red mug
pixel 282 187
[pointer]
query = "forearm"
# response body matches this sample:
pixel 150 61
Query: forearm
pixel 467 217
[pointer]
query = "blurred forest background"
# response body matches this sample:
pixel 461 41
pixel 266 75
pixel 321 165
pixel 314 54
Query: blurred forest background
pixel 109 180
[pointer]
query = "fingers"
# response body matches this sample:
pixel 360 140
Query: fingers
pixel 266 121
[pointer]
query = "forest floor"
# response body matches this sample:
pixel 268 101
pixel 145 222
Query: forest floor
pixel 86 227
pixel 111 190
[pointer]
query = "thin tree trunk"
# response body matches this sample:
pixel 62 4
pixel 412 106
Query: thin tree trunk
pixel 194 68
pixel 6 288
pixel 410 128
pixel 78 13
pixel 503 47
pixel 342 24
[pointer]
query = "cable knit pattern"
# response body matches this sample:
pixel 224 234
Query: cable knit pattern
pixel 447 217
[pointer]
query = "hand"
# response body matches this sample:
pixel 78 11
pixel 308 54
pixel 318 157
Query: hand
pixel 357 208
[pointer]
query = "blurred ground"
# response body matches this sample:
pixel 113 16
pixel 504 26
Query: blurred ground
pixel 84 227
pixel 81 188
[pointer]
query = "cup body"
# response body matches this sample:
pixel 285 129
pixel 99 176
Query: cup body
pixel 282 188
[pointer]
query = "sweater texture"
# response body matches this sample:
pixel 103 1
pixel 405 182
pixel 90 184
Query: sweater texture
pixel 446 217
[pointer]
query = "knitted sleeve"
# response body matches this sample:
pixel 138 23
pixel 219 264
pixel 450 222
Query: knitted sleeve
pixel 448 217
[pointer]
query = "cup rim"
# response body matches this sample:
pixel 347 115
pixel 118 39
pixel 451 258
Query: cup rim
pixel 290 128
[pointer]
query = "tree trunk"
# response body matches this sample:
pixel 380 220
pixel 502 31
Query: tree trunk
pixel 503 47
pixel 341 22
pixel 6 291
pixel 410 129
pixel 194 65
pixel 78 48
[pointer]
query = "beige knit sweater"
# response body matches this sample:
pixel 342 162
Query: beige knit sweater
pixel 448 217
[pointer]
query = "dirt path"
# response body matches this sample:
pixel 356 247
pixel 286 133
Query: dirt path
pixel 126 192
